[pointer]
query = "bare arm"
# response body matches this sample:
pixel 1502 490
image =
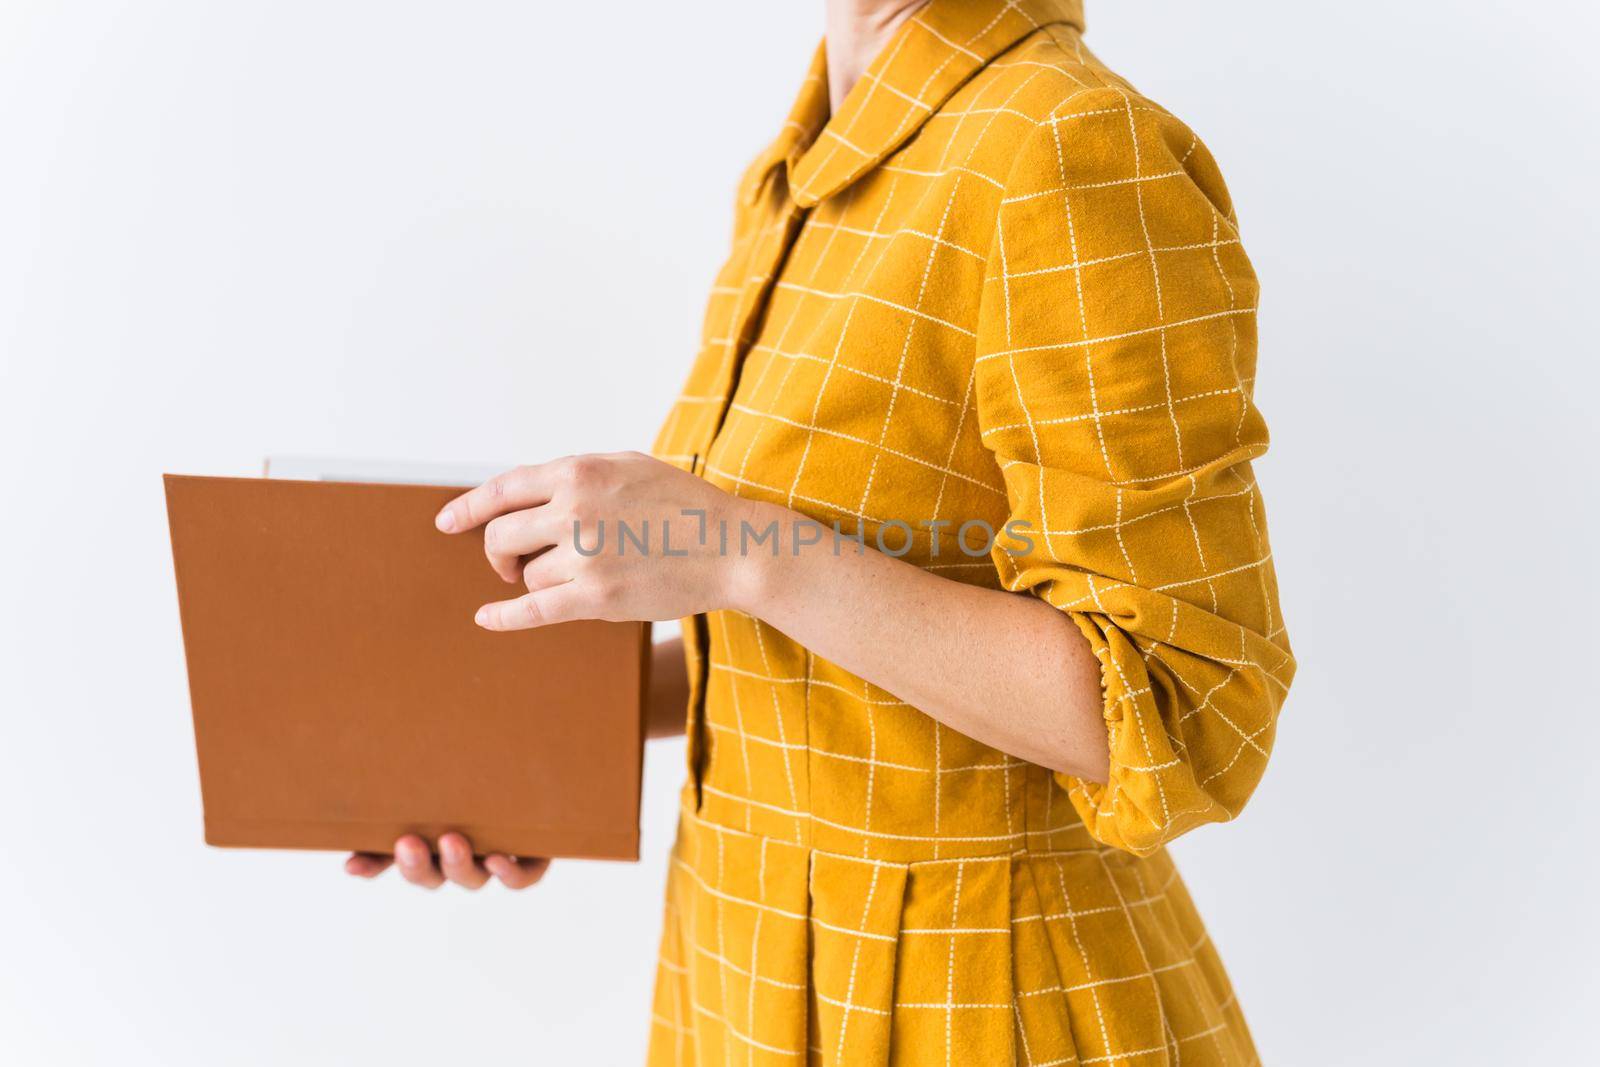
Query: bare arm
pixel 1005 669
pixel 1002 668
pixel 957 652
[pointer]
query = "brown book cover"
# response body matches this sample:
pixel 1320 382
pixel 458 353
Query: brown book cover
pixel 343 696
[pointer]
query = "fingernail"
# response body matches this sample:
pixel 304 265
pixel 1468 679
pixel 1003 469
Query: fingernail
pixel 407 858
pixel 482 617
pixel 445 520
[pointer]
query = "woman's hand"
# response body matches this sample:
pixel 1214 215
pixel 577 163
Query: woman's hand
pixel 530 514
pixel 1007 670
pixel 620 537
pixel 455 864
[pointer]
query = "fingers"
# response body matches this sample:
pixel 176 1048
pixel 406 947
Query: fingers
pixel 455 864
pixel 552 567
pixel 557 603
pixel 416 864
pixel 455 858
pixel 518 488
pixel 367 864
pixel 521 533
pixel 517 873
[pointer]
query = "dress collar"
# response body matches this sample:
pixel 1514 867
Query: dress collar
pixel 921 66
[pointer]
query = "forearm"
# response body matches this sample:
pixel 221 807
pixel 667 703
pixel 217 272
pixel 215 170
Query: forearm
pixel 669 690
pixel 1005 669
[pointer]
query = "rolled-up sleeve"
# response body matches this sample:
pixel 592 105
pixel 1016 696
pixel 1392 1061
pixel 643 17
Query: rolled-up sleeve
pixel 1114 383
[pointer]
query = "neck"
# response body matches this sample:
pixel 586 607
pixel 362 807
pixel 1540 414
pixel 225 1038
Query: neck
pixel 857 30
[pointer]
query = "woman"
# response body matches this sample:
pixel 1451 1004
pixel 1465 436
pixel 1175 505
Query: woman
pixel 982 293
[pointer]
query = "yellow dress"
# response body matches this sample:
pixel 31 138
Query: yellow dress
pixel 999 286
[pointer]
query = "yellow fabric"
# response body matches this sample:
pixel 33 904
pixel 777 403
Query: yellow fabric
pixel 999 285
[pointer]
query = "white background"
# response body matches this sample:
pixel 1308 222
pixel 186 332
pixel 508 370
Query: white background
pixel 483 231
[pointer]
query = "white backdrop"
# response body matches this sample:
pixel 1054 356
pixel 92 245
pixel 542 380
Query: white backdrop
pixel 483 230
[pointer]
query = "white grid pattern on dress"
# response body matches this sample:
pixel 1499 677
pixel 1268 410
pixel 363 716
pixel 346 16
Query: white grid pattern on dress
pixel 1016 293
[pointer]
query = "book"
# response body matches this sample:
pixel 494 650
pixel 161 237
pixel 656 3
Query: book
pixel 342 695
